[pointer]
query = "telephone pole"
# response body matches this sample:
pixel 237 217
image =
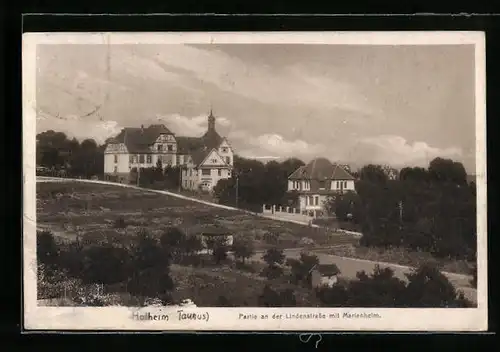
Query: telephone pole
pixel 237 187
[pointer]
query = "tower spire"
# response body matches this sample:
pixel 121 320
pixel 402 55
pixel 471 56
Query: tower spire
pixel 211 120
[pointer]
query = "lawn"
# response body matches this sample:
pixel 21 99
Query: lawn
pixel 91 210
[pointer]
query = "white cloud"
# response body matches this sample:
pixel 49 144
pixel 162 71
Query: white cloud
pixel 77 127
pixel 274 146
pixel 396 151
pixel 190 126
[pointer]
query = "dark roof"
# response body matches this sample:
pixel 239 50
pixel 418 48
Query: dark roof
pixel 139 139
pixel 327 269
pixel 321 169
pixel 186 145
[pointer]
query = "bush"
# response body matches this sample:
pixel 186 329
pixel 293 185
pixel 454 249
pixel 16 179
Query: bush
pixel 427 288
pixel 219 253
pixel 47 250
pixel 272 272
pixel 473 281
pixel 106 264
pixel 274 256
pixel 120 223
pixel 272 298
pixel 243 249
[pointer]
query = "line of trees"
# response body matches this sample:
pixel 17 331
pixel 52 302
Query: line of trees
pixel 431 209
pixel 258 184
pixel 55 151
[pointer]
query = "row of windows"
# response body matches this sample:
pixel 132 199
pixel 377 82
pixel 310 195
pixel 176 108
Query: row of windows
pixel 322 184
pixel 204 172
pixel 312 200
pixel 148 159
pixel 170 147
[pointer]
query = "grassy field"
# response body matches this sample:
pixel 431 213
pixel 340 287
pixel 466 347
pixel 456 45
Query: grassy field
pixel 72 208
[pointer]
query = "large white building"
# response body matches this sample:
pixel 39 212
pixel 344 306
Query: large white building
pixel 204 160
pixel 317 181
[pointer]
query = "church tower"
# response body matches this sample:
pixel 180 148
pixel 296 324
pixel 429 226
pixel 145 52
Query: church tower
pixel 211 121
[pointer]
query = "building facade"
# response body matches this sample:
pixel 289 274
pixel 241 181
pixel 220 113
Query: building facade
pixel 317 181
pixel 203 160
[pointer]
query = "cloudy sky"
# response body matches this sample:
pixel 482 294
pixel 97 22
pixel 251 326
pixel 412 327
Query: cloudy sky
pixel 399 105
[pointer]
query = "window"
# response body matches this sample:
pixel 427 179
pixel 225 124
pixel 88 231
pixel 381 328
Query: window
pixel 134 158
pixel 170 147
pixel 316 200
pixel 224 150
pixel 322 184
pixel 205 172
pixel 214 161
pixel 338 186
pixel 159 147
pixel 116 159
pixel 149 159
pixel 228 160
pixel 220 172
pixel 141 159
pixel 311 200
pixel 345 184
pixel 131 159
pixel 116 169
pixel 190 172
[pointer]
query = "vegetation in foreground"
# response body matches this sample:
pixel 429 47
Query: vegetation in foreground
pixel 168 269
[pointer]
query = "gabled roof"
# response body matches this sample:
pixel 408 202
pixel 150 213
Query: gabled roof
pixel 186 145
pixel 327 269
pixel 321 169
pixel 139 139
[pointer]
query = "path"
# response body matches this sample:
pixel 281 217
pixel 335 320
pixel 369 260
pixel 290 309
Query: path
pixel 350 266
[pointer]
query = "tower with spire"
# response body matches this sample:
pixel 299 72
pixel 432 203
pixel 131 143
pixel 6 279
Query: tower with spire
pixel 211 121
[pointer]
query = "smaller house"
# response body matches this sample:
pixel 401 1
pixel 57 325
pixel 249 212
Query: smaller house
pixel 324 275
pixel 212 234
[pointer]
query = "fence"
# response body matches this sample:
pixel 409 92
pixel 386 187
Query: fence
pixel 286 213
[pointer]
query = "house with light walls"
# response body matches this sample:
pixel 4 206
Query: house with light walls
pixel 317 181
pixel 203 160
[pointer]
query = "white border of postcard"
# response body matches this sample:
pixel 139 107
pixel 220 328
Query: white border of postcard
pixel 313 319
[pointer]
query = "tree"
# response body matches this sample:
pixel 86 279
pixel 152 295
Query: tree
pixel 220 253
pixel 243 249
pixel 272 271
pixel 106 264
pixel 373 173
pixel 272 298
pixel 447 170
pixel 153 282
pixel 428 287
pixel 148 253
pixel 301 268
pixel 173 241
pixel 47 250
pixel 274 256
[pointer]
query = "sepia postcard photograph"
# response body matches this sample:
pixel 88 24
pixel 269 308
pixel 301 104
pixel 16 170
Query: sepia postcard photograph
pixel 266 181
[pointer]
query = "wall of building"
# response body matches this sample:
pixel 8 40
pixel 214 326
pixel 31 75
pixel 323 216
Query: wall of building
pixel 121 163
pixel 343 185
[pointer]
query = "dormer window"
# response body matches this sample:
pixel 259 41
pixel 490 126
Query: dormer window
pixel 322 184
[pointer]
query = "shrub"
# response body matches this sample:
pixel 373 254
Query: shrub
pixel 120 223
pixel 243 249
pixel 272 298
pixel 272 272
pixel 274 256
pixel 220 253
pixel 473 281
pixel 106 264
pixel 47 250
